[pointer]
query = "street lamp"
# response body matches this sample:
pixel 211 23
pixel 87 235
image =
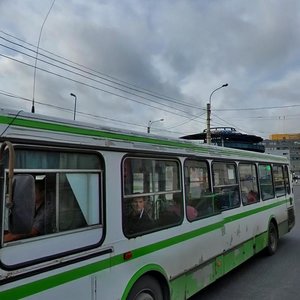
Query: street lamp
pixel 208 109
pixel 73 95
pixel 151 122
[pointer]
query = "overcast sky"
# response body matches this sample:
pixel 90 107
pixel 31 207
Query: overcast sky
pixel 129 62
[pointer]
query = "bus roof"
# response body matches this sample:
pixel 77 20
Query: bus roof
pixel 22 126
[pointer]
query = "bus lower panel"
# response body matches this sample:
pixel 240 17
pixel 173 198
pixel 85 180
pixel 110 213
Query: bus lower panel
pixel 195 280
pixel 283 228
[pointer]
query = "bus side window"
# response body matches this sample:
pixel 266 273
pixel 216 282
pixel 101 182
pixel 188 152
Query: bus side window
pixel 43 221
pixel 248 183
pixel 70 198
pixel 279 183
pixel 226 185
pixel 200 202
pixel 266 181
pixel 76 191
pixel 286 179
pixel 157 180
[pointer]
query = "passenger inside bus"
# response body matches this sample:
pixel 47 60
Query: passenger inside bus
pixel 229 198
pixel 40 218
pixel 191 211
pixel 138 219
pixel 249 196
pixel 252 197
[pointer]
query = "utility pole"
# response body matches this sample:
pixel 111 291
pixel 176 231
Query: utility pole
pixel 208 110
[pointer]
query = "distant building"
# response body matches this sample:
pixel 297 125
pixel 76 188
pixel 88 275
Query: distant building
pixel 287 145
pixel 284 136
pixel 285 152
pixel 279 144
pixel 229 137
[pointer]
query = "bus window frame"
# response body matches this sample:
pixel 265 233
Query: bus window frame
pixel 272 196
pixel 236 186
pixel 287 180
pixel 258 194
pixel 281 167
pixel 210 195
pixel 149 194
pixel 53 241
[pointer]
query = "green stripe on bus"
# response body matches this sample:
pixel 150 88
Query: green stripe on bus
pixel 55 280
pixel 254 211
pixel 36 124
pixel 52 281
pixel 170 242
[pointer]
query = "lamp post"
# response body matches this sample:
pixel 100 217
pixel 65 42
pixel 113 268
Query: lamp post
pixel 151 122
pixel 73 95
pixel 208 109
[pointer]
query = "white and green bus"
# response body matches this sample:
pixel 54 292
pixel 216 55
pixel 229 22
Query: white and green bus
pixel 208 210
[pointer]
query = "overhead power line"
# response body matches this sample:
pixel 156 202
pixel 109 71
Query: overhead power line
pixel 8 94
pixel 257 108
pixel 11 95
pixel 92 79
pixel 96 74
pixel 232 125
pixel 115 81
pixel 183 123
pixel 99 89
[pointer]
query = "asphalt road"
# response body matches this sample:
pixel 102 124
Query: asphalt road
pixel 274 277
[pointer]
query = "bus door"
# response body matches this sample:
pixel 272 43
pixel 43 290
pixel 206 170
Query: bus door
pixel 290 198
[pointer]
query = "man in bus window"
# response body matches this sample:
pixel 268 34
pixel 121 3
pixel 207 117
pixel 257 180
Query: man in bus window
pixel 138 219
pixel 41 218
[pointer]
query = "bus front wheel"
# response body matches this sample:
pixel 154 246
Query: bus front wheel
pixel 272 239
pixel 146 288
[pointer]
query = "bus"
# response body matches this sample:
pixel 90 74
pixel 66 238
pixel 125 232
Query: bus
pixel 91 212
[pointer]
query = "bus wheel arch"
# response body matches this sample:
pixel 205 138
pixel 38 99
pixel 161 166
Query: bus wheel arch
pixel 149 281
pixel 147 287
pixel 272 243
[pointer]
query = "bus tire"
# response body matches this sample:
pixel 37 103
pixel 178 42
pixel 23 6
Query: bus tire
pixel 146 288
pixel 272 239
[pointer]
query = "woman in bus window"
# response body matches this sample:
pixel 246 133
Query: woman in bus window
pixel 191 211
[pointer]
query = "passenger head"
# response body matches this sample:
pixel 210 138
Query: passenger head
pixel 138 204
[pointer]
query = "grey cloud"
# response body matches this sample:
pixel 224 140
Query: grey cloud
pixel 183 49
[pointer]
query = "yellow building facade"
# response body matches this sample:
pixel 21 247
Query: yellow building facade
pixel 284 136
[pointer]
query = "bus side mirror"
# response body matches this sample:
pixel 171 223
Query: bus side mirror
pixel 23 204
